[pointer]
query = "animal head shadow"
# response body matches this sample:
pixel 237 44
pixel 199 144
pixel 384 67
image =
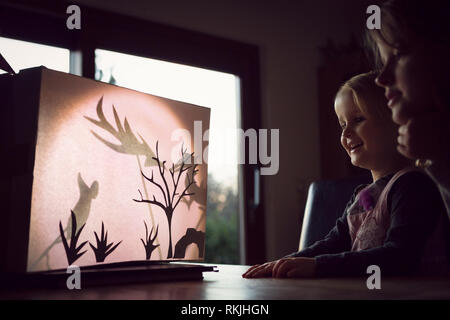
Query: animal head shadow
pixel 79 214
pixel 82 208
pixel 129 143
pixel 89 192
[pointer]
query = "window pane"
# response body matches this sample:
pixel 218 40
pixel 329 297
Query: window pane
pixel 216 90
pixel 21 55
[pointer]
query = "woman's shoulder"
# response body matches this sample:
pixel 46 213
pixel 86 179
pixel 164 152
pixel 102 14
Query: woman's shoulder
pixel 413 179
pixel 414 185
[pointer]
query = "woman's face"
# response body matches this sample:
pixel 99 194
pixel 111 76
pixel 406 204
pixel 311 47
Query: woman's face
pixel 369 142
pixel 407 80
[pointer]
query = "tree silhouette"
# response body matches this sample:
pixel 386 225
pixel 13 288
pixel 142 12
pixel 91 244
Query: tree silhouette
pixel 171 197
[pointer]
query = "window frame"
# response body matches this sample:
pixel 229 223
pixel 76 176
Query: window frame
pixel 46 24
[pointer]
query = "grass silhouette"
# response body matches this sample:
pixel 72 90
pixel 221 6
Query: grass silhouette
pixel 72 250
pixel 103 249
pixel 148 244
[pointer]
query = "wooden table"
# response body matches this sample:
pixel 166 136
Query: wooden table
pixel 227 284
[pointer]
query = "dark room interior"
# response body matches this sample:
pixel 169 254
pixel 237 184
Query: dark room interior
pixel 277 67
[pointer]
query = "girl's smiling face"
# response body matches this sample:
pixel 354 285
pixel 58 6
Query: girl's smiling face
pixel 369 141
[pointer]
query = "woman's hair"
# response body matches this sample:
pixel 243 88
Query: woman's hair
pixel 367 96
pixel 406 22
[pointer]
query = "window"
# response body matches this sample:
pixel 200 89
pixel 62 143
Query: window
pixel 220 92
pixel 236 62
pixel 21 55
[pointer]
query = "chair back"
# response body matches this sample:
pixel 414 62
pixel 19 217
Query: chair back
pixel 325 204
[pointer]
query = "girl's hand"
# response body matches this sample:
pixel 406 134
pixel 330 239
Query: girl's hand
pixel 294 268
pixel 260 270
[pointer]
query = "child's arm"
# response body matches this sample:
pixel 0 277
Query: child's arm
pixel 337 240
pixel 415 206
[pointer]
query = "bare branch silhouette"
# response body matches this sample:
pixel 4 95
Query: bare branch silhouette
pixel 154 201
pixel 172 199
pixel 156 184
pixel 195 188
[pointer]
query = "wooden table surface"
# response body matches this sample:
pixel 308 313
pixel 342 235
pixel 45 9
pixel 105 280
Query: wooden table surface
pixel 228 284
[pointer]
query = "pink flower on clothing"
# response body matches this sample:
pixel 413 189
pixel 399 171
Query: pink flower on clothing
pixel 366 200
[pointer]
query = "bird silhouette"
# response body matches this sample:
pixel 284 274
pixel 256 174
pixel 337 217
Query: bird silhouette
pixel 83 206
pixel 81 210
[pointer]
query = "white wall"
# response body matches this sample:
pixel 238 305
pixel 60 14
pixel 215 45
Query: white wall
pixel 288 34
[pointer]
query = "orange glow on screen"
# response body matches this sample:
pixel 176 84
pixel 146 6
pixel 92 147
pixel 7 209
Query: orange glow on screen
pixel 94 169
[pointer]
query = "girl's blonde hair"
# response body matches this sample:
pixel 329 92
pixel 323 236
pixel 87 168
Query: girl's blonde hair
pixel 368 96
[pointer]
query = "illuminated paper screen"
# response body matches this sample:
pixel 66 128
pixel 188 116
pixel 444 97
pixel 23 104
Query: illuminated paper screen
pixel 95 143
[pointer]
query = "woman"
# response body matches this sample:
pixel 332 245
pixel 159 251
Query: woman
pixel 413 49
